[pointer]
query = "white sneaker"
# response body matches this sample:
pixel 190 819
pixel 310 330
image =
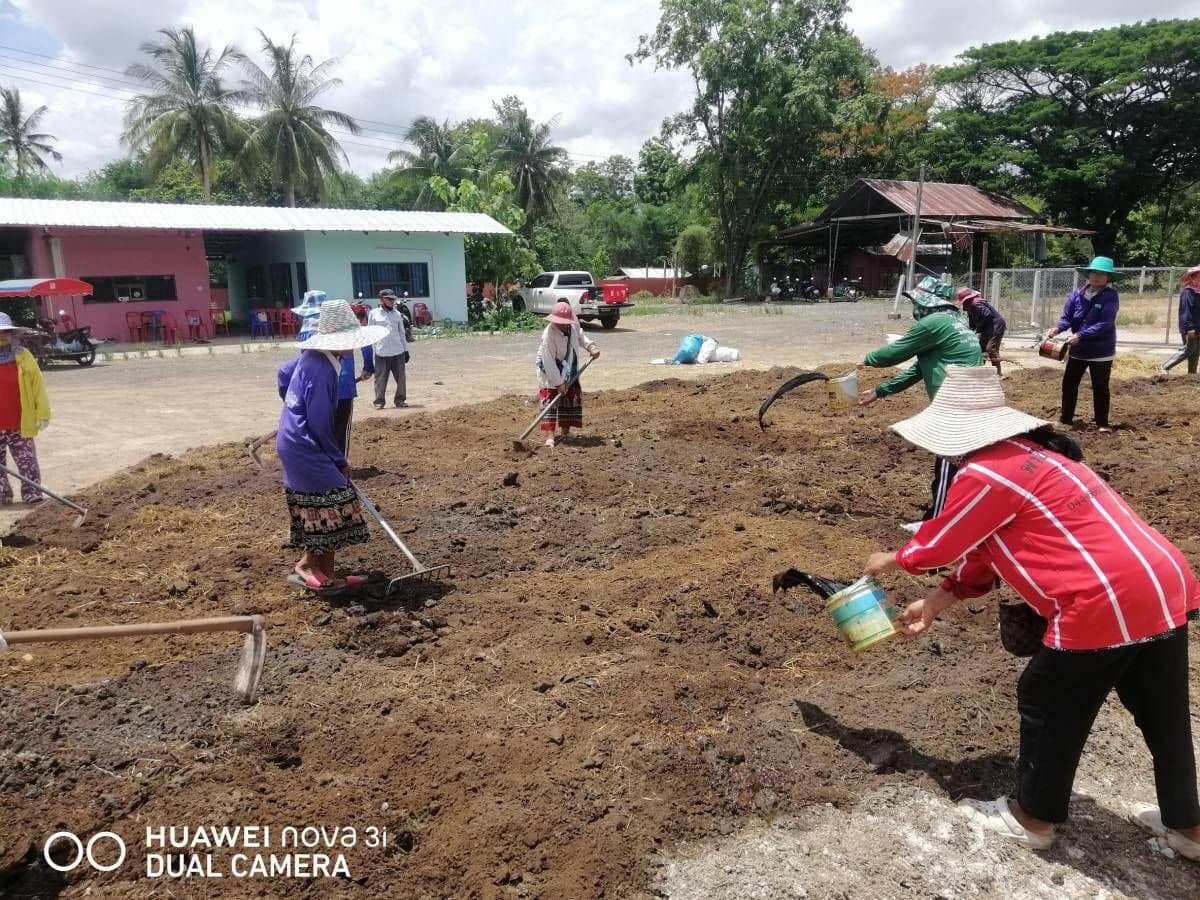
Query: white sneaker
pixel 995 816
pixel 1150 818
pixel 912 527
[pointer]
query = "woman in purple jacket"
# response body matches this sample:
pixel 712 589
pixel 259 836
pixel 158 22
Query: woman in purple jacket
pixel 1189 323
pixel 1090 314
pixel 324 509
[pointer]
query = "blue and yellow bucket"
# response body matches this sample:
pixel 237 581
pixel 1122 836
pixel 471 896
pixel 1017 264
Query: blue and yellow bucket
pixel 863 614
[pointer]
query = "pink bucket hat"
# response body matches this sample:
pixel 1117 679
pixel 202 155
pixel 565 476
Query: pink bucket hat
pixel 965 295
pixel 562 314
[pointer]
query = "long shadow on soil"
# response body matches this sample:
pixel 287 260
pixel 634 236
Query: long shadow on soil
pixel 1115 850
pixel 980 777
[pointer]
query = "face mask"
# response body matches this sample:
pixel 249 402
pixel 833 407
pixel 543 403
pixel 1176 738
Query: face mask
pixel 9 353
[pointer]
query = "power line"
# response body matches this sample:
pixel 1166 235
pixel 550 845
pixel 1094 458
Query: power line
pixel 132 89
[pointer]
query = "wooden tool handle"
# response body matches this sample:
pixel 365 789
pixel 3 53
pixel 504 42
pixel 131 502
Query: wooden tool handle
pixel 184 626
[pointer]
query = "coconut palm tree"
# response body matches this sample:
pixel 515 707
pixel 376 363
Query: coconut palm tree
pixel 292 135
pixel 438 151
pixel 188 111
pixel 18 137
pixel 534 163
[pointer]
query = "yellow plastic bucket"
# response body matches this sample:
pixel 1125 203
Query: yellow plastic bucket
pixel 863 614
pixel 843 391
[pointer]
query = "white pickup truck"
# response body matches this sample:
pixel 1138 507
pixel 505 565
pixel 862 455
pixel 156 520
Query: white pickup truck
pixel 577 288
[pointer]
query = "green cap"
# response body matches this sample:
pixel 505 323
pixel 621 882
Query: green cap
pixel 1103 265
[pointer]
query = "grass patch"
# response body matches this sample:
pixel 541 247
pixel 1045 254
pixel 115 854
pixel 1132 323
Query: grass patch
pixel 1146 317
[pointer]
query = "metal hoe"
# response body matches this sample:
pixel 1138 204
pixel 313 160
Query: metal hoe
pixel 519 443
pixel 252 447
pixel 63 500
pixel 250 664
pixel 419 573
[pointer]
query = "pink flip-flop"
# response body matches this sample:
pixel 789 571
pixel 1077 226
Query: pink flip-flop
pixel 311 582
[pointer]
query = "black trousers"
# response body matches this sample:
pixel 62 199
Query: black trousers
pixel 1101 372
pixel 943 473
pixel 1190 352
pixel 343 419
pixel 1059 695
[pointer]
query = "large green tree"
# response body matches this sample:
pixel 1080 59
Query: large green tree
pixel 526 151
pixel 1094 122
pixel 768 75
pixel 292 135
pixel 438 149
pixel 187 111
pixel 494 258
pixel 20 140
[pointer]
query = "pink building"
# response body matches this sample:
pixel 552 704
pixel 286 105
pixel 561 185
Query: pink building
pixel 156 257
pixel 131 271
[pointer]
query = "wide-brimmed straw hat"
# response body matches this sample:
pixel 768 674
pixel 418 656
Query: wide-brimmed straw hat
pixel 338 329
pixel 562 314
pixel 6 324
pixel 967 414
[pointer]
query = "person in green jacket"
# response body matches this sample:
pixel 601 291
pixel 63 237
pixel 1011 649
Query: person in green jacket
pixel 940 337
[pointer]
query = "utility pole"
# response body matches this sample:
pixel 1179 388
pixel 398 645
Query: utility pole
pixel 915 237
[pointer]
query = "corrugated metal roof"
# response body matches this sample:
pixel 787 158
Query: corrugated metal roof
pixel 941 199
pixel 95 214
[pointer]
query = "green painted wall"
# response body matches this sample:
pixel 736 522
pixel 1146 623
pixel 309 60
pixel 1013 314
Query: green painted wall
pixel 330 255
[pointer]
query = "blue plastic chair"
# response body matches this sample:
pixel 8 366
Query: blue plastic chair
pixel 260 325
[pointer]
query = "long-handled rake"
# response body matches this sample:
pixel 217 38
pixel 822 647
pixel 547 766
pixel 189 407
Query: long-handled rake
pixel 253 446
pixel 250 664
pixel 519 443
pixel 419 573
pixel 49 493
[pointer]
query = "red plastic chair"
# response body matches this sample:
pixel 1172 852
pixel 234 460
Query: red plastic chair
pixel 195 325
pixel 285 323
pixel 421 314
pixel 137 329
pixel 168 330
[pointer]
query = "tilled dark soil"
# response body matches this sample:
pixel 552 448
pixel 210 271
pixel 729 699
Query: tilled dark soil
pixel 606 674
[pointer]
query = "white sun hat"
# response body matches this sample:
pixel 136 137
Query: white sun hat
pixel 967 414
pixel 6 324
pixel 338 329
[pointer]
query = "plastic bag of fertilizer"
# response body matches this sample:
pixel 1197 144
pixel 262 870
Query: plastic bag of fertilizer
pixel 689 349
pixel 726 354
pixel 706 351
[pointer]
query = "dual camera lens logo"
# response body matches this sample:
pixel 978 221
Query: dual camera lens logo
pixel 82 850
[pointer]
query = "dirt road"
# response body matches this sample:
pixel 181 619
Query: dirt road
pixel 114 414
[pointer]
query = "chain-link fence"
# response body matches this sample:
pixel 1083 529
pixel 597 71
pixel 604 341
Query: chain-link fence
pixel 1031 300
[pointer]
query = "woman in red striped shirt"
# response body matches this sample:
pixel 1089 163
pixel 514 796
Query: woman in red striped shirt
pixel 1116 596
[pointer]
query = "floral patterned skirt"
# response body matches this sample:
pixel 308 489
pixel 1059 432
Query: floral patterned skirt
pixel 569 411
pixel 326 521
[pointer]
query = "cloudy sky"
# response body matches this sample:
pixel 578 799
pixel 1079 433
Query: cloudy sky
pixel 401 59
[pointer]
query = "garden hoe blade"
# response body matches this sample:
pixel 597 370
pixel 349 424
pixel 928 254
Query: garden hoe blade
pixel 250 665
pixel 49 493
pixel 790 384
pixel 253 447
pixel 420 574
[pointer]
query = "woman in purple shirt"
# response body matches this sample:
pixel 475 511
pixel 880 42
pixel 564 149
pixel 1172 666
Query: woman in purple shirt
pixel 324 509
pixel 1090 314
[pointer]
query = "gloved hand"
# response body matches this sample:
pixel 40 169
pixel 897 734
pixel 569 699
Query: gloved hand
pixel 407 357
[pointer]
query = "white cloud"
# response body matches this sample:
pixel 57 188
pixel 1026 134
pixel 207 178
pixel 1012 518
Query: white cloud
pixel 453 60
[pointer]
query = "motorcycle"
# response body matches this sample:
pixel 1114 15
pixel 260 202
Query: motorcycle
pixel 848 290
pixel 71 344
